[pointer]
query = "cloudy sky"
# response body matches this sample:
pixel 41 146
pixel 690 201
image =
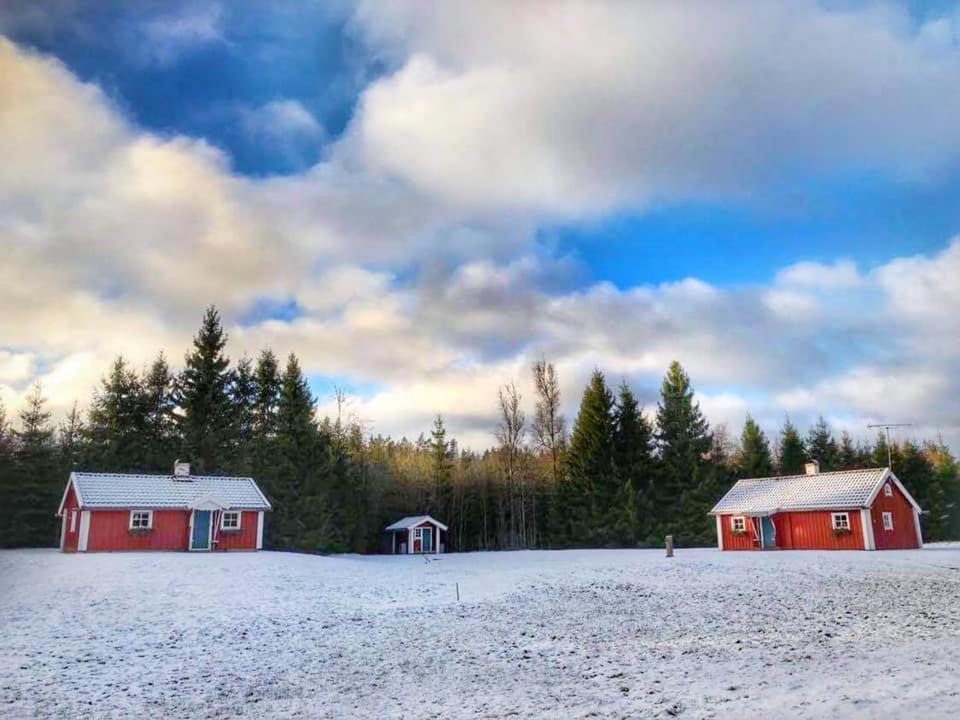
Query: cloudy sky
pixel 422 198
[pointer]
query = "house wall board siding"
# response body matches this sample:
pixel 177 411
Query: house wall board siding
pixel 904 533
pixel 110 530
pixel 71 507
pixel 814 530
pixel 732 541
pixel 246 539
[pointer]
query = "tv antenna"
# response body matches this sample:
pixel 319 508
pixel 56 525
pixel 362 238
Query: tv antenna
pixel 886 428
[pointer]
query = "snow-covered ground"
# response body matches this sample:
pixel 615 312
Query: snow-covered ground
pixel 601 633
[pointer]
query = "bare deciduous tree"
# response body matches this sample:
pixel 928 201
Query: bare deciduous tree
pixel 510 432
pixel 549 425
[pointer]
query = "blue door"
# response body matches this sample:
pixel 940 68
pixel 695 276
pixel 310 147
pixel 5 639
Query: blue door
pixel 201 530
pixel 769 532
pixel 427 540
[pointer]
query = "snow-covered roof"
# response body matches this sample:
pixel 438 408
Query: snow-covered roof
pixel 820 491
pixel 120 490
pixel 412 521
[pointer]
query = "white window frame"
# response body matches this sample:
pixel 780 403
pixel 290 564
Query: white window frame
pixel 418 534
pixel 888 489
pixel 887 521
pixel 73 521
pixel 223 520
pixel 845 525
pixel 738 523
pixel 148 513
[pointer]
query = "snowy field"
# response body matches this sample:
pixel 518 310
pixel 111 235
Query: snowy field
pixel 536 634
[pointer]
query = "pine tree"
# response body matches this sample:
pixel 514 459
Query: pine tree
pixel 755 458
pixel 635 467
pixel 821 446
pixel 441 468
pixel 793 454
pixel 160 423
pixel 849 455
pixel 684 441
pixel 267 378
pixel 202 395
pixel 116 421
pixel 590 478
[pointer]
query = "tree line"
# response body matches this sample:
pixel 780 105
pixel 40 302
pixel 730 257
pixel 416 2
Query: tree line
pixel 618 477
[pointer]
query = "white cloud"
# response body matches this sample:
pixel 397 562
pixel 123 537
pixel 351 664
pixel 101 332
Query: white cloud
pixel 577 108
pixel 163 38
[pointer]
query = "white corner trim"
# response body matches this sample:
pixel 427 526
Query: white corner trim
pixel 916 524
pixel 719 532
pixel 260 530
pixel 84 531
pixel 867 525
pixel 63 531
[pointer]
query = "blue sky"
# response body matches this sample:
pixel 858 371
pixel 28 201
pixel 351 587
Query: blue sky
pixel 428 196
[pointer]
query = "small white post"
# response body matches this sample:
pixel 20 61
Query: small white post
pixel 669 540
pixel 458 592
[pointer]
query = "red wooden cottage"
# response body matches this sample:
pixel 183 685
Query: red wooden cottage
pixel 848 510
pixel 415 535
pixel 113 511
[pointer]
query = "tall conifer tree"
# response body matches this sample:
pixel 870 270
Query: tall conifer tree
pixel 792 454
pixel 202 394
pixel 635 467
pixel 755 458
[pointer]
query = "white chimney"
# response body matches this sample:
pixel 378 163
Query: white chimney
pixel 181 470
pixel 812 468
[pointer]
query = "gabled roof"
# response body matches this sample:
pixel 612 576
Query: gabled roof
pixel 412 521
pixel 120 490
pixel 821 491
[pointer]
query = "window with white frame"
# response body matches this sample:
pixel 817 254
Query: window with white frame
pixel 888 489
pixel 141 519
pixel 841 521
pixel 738 524
pixel 888 521
pixel 230 520
pixel 73 520
pixel 418 533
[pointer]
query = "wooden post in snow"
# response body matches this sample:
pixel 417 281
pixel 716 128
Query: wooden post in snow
pixel 669 540
pixel 458 592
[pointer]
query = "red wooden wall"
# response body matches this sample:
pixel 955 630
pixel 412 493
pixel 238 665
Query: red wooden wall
pixel 110 530
pixel 814 531
pixel 904 533
pixel 70 508
pixel 246 539
pixel 736 542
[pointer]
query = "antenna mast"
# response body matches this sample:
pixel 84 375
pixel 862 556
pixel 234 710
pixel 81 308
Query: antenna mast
pixel 886 427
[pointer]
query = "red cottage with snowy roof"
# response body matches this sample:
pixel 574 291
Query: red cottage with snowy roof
pixel 848 510
pixel 113 511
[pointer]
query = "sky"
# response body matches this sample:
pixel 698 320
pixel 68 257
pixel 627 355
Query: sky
pixel 422 199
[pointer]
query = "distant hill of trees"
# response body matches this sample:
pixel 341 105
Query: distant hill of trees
pixel 615 479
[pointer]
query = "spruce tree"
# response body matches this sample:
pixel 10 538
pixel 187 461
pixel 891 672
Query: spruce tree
pixel 160 423
pixel 792 455
pixel 590 478
pixel 441 468
pixel 755 458
pixel 821 446
pixel 849 455
pixel 684 441
pixel 202 395
pixel 631 516
pixel 71 446
pixel 36 481
pixel 243 400
pixel 116 421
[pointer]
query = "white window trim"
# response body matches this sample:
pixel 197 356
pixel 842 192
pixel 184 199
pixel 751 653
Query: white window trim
pixel 740 520
pixel 223 520
pixel 888 489
pixel 418 534
pixel 73 521
pixel 888 518
pixel 149 514
pixel 834 517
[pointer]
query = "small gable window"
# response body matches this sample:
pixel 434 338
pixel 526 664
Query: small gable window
pixel 141 519
pixel 888 489
pixel 230 520
pixel 888 521
pixel 738 524
pixel 841 521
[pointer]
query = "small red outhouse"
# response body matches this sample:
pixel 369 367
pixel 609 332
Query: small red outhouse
pixel 416 535
pixel 116 511
pixel 846 510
